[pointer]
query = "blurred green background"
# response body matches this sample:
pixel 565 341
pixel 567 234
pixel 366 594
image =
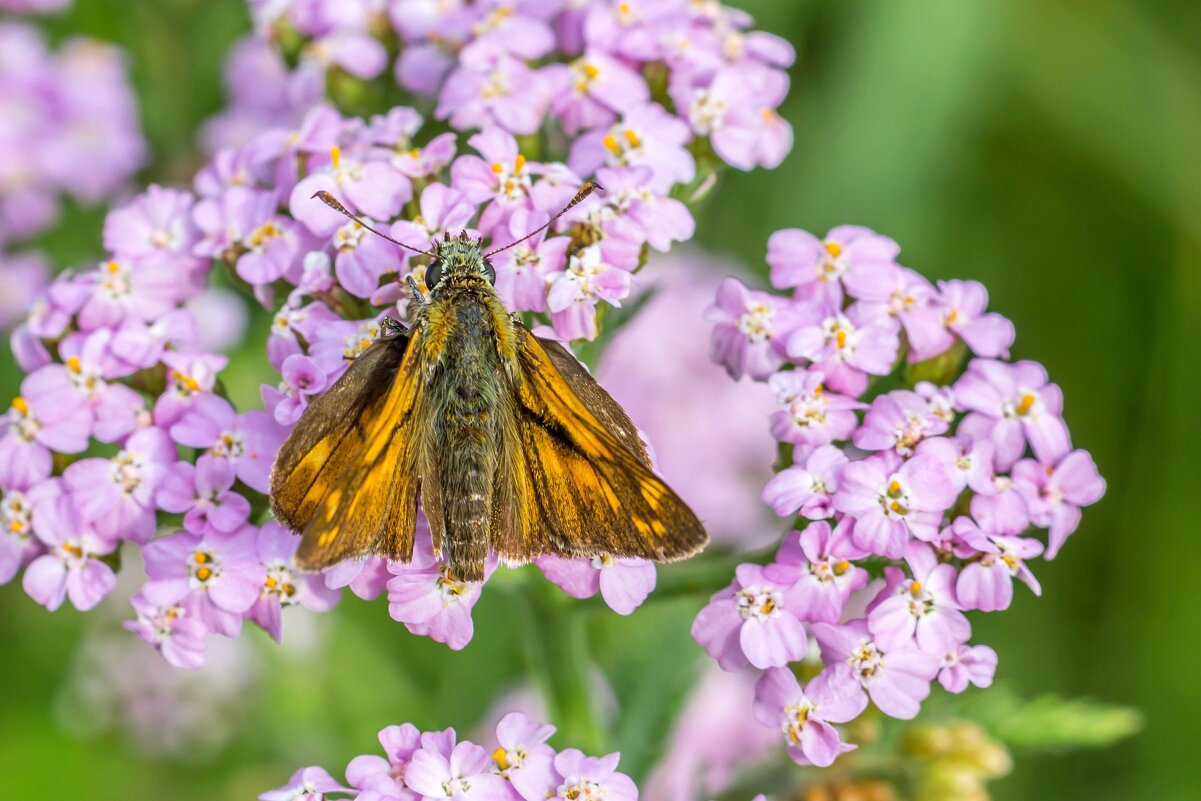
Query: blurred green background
pixel 1047 149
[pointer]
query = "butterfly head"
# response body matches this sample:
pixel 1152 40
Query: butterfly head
pixel 458 259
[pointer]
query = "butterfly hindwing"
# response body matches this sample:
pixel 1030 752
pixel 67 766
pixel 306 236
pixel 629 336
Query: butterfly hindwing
pixel 583 475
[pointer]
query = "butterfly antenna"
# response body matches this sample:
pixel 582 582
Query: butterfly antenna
pixel 336 205
pixel 585 190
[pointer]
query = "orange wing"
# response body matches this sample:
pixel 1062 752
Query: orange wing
pixel 579 485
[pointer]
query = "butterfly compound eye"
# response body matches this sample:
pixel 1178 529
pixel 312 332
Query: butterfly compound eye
pixel 433 274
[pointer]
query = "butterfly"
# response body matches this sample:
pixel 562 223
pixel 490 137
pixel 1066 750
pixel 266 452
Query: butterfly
pixel 507 441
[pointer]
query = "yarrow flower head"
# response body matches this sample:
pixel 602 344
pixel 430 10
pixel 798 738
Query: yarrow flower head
pixel 921 458
pixel 117 353
pixel 437 765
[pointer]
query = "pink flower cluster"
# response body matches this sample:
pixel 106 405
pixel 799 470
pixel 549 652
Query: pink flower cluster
pixel 902 456
pixel 70 126
pixel 604 70
pixel 434 766
pixel 122 425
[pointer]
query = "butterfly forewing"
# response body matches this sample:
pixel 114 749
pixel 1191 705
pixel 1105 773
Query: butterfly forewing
pixel 585 484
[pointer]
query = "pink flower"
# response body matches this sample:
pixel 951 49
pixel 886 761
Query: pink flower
pixel 429 602
pixel 808 488
pixel 1012 404
pixel 924 606
pixel 816 267
pixel 285 585
pixel 623 583
pixel 493 89
pixel 826 575
pixel 522 271
pixel 804 716
pixel 898 420
pixel 18 544
pixel 749 330
pixel 443 209
pixel 306 784
pixel 1054 494
pixel 117 495
pixel 969 462
pixel 376 189
pixel 572 295
pixel 302 378
pixel 247 441
pixel 899 297
pixel 220 572
pixel 589 92
pixel 647 135
pixel 897 680
pixel 987 582
pixel 462 775
pixel 581 776
pixel 890 501
pixel 737 112
pixel 975 664
pixel 385 775
pixel 41 419
pixel 962 303
pixel 202 493
pixel 156 223
pixel 176 630
pixel 812 416
pixel 845 347
pixel 72 567
pixel 523 757
pixel 754 621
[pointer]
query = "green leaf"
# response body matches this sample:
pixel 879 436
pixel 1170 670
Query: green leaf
pixel 1050 723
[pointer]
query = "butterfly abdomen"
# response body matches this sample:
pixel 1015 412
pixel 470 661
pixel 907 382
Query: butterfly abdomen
pixel 467 435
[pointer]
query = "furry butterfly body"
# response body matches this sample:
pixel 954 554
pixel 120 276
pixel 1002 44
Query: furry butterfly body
pixel 509 442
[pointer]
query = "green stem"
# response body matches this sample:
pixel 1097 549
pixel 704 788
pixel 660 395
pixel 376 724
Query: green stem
pixel 560 663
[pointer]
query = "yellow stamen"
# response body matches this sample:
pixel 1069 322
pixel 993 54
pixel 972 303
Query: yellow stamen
pixel 833 248
pixel 518 163
pixel 501 757
pixel 271 583
pixel 16 526
pixel 335 154
pixel 952 316
pixel 842 567
pixel 415 153
pixel 1026 404
pixel 610 142
pixel 73 365
pixel 916 587
pixel 894 489
pixel 632 138
pixel 74 550
pixel 20 405
pixel 190 383
pixel 497 167
pixel 818 390
pixel 113 266
pixel 896 507
pixel 200 558
pixel 204 574
pixel 841 336
pixel 591 71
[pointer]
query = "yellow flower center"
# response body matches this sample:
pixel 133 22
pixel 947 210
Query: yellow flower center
pixel 1026 404
pixel 335 154
pixel 20 405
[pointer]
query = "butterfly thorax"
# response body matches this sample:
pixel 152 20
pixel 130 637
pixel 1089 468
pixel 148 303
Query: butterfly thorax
pixel 470 354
